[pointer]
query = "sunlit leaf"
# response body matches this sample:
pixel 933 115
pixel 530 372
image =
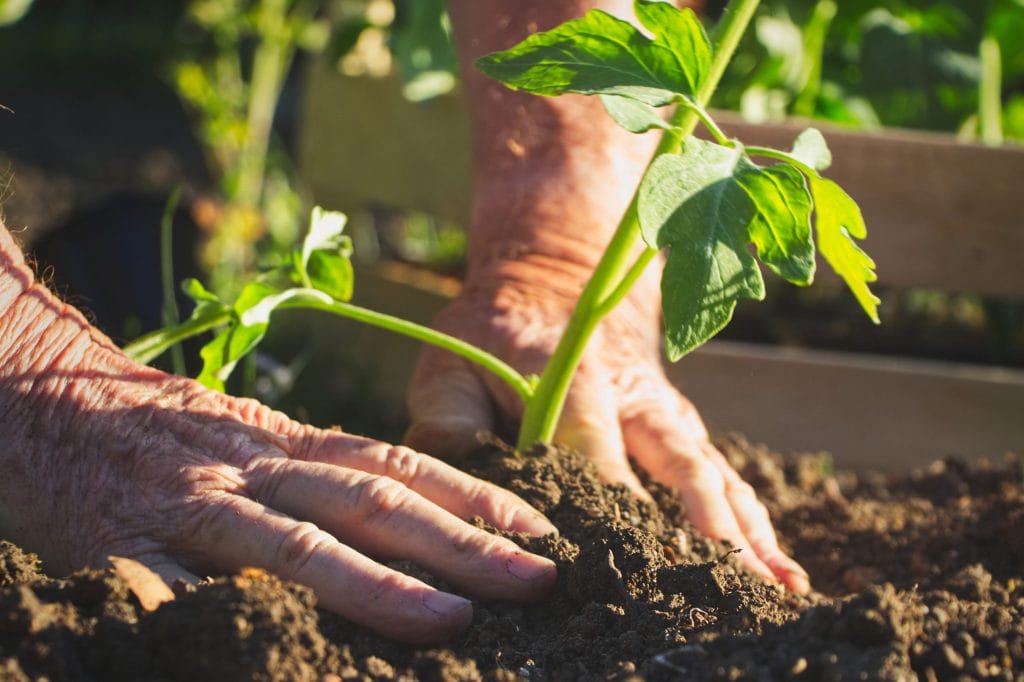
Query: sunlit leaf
pixel 601 54
pixel 838 222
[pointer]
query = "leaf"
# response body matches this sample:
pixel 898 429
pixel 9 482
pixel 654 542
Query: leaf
pixel 323 262
pixel 690 203
pixel 634 116
pixel 838 223
pixel 811 148
pixel 601 54
pixel 222 353
pixel 195 290
pixel 781 227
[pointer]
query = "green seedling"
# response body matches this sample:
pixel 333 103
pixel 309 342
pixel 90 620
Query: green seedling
pixel 706 202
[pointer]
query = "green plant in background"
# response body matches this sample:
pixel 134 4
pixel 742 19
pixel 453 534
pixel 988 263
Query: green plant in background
pixel 12 10
pixel 234 84
pixel 707 202
pixel 940 65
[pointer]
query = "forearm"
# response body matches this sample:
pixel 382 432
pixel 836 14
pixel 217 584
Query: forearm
pixel 553 175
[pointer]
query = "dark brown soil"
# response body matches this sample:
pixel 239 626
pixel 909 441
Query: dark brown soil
pixel 920 577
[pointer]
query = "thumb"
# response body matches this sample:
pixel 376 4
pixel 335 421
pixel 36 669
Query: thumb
pixel 590 424
pixel 448 405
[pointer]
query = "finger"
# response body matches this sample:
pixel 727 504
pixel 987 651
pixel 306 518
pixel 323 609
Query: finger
pixel 448 406
pixel 380 516
pixel 239 532
pixel 676 460
pixel 590 424
pixel 442 484
pixel 756 525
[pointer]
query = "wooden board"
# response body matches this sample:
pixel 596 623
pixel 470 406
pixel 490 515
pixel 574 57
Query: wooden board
pixel 941 214
pixel 867 411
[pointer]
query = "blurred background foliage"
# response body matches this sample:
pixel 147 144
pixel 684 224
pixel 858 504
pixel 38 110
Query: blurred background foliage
pixel 943 65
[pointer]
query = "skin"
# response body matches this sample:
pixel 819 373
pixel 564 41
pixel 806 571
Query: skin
pixel 553 175
pixel 102 456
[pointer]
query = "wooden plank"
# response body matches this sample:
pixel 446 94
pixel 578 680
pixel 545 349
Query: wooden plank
pixel 361 143
pixel 941 214
pixel 867 411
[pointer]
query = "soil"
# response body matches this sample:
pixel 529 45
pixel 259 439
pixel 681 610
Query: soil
pixel 918 576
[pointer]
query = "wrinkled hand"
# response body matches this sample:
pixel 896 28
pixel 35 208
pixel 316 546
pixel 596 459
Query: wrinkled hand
pixel 620 401
pixel 104 457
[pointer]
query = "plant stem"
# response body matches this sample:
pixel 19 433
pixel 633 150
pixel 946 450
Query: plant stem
pixel 781 156
pixel 618 268
pixel 146 348
pixel 170 315
pixel 814 47
pixel 270 62
pixel 152 345
pixel 990 106
pixel 505 372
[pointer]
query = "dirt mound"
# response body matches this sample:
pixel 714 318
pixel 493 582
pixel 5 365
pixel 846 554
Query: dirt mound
pixel 918 576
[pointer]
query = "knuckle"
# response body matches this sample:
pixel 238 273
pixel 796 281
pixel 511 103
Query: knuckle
pixel 391 587
pixel 402 464
pixel 377 498
pixel 263 477
pixel 297 548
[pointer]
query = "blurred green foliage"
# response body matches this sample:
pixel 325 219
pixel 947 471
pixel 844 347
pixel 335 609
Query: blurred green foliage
pixel 906 63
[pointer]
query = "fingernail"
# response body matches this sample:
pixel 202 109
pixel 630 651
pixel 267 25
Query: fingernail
pixel 529 568
pixel 445 604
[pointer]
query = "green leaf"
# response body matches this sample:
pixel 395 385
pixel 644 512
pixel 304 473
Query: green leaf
pixel 691 203
pixel 781 225
pixel 810 147
pixel 323 262
pixel 13 10
pixel 601 54
pixel 838 223
pixel 634 116
pixel 228 347
pixel 195 290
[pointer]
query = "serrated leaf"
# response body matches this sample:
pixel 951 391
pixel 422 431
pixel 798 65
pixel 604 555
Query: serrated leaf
pixel 601 54
pixel 690 203
pixel 811 148
pixel 634 116
pixel 781 226
pixel 838 222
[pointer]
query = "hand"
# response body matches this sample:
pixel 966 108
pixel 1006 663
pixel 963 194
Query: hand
pixel 105 457
pixel 620 401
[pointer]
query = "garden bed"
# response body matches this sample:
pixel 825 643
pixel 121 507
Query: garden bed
pixel 917 574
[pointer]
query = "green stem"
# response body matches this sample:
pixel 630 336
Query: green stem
pixel 814 47
pixel 270 63
pixel 152 345
pixel 504 371
pixel 990 106
pixel 618 267
pixel 781 156
pixel 170 315
pixel 145 348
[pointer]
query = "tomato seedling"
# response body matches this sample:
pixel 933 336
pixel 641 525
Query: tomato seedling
pixel 704 201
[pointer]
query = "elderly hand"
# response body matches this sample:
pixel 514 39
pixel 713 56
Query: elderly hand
pixel 620 403
pixel 104 457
